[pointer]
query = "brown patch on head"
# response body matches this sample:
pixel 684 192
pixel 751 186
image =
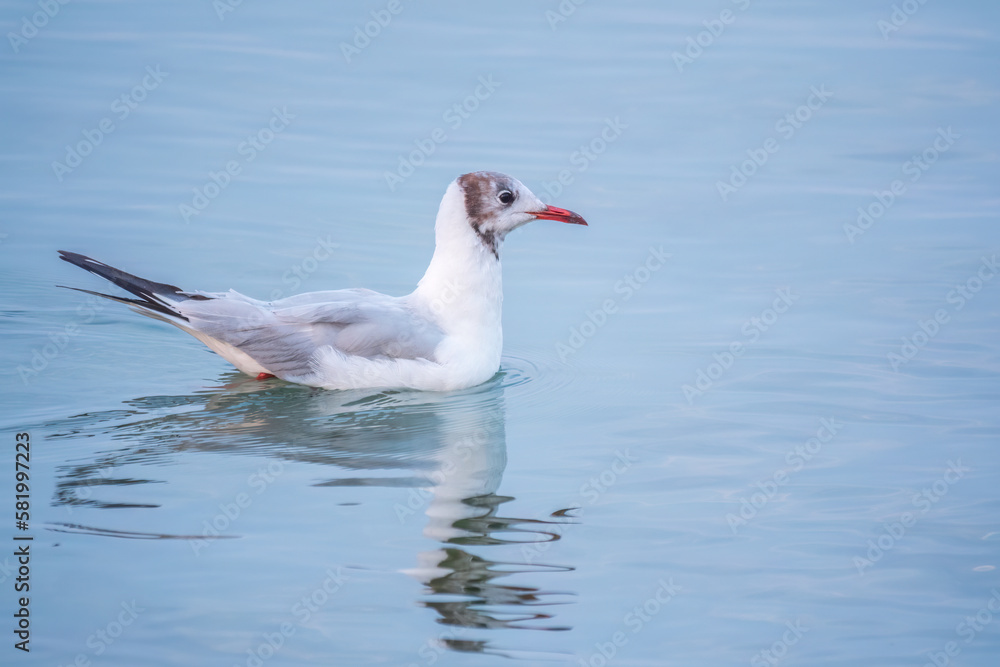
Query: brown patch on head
pixel 481 189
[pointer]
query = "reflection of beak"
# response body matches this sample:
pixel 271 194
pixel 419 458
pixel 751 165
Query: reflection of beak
pixel 560 214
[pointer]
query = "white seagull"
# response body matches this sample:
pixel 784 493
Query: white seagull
pixel 444 335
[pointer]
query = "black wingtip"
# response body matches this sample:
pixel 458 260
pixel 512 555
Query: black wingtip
pixel 77 259
pixel 151 293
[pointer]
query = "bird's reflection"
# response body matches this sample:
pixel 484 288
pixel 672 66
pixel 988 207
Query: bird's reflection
pixel 446 451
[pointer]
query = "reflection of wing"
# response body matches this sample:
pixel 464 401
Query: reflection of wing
pixel 284 336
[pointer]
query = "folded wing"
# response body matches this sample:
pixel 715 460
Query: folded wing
pixel 286 336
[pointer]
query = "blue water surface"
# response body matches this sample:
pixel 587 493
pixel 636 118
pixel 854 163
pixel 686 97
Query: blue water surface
pixel 748 416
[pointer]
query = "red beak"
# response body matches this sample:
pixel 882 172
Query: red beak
pixel 560 214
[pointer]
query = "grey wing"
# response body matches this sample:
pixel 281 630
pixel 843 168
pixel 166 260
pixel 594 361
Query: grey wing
pixel 363 323
pixel 283 336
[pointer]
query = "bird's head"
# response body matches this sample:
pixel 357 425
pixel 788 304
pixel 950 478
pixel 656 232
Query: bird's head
pixel 496 204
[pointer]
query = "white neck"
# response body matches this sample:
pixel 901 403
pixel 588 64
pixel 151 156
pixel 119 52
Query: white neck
pixel 462 287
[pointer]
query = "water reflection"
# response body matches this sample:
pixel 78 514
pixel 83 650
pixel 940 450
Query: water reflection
pixel 448 449
pixel 464 588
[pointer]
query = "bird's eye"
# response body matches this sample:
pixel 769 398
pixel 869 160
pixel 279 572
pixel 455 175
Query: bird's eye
pixel 505 197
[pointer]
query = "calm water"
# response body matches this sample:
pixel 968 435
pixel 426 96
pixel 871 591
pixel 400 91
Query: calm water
pixel 748 416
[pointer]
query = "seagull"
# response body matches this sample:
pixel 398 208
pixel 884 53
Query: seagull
pixel 443 336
